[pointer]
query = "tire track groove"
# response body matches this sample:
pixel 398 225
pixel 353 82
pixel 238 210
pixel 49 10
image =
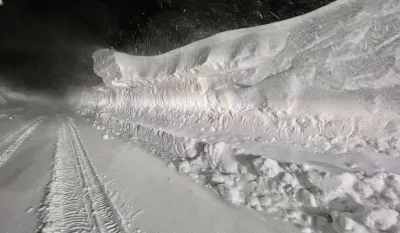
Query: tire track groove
pixel 66 205
pixel 13 141
pixel 76 200
pixel 8 137
pixel 109 218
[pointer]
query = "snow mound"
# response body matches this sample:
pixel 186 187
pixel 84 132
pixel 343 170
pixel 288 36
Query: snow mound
pixel 299 118
pixel 297 78
pixel 312 197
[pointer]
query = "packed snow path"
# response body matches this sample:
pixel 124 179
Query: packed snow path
pixel 58 174
pixel 76 198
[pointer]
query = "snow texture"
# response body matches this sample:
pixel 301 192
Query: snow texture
pixel 298 118
pixel 76 187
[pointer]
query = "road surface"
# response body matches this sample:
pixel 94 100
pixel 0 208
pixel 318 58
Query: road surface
pixel 57 174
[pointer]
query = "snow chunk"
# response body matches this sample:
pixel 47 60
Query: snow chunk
pixel 220 156
pixel 331 185
pixel 343 223
pixel 379 218
pixel 230 194
pixel 267 167
pixel 306 198
pixel 265 201
pixel 254 202
pixel 217 179
pixel 184 166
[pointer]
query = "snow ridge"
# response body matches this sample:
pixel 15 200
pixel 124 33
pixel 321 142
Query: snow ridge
pixel 297 81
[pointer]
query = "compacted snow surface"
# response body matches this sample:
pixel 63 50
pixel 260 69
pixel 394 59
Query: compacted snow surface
pixel 57 174
pixel 294 125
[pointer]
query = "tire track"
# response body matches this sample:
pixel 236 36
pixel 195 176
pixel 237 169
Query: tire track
pixel 76 200
pixel 13 141
pixel 8 137
pixel 66 207
pixel 107 215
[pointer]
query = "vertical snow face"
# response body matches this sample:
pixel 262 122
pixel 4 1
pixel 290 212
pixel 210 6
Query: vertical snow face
pixel 327 81
pixel 323 88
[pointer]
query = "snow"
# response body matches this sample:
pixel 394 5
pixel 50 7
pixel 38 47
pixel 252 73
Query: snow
pixel 25 175
pixel 184 166
pixel 298 119
pixel 263 93
pixel 155 197
pixel 116 187
pixel 381 219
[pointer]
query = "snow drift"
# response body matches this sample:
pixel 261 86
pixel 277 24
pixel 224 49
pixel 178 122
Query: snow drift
pixel 299 117
pixel 335 68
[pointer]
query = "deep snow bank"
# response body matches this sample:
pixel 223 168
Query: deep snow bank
pixel 231 110
pixel 332 73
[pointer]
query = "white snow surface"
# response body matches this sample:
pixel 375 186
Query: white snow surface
pixel 58 175
pixel 298 118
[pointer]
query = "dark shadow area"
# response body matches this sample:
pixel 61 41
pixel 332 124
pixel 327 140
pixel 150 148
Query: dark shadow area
pixel 44 48
pixel 46 45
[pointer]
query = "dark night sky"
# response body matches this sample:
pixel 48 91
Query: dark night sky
pixel 46 45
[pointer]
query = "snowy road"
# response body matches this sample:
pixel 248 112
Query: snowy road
pixel 296 121
pixel 57 174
